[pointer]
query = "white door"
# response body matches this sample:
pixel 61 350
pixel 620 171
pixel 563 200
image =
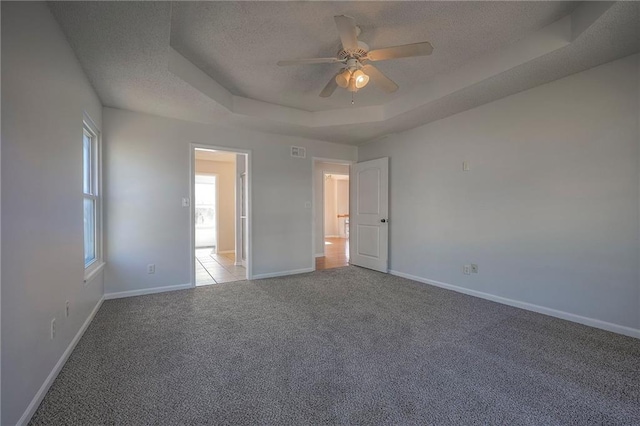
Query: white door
pixel 243 220
pixel 369 229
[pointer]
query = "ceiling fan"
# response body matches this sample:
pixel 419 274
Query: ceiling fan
pixel 354 56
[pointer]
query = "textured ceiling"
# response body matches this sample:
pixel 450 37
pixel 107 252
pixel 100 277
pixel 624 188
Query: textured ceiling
pixel 123 48
pixel 615 35
pixel 239 43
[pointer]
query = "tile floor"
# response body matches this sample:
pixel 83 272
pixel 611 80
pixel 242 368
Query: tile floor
pixel 212 268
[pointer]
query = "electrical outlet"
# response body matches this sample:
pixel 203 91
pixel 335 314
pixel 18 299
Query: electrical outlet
pixel 66 309
pixel 53 328
pixel 465 166
pixel 466 269
pixel 151 268
pixel 474 268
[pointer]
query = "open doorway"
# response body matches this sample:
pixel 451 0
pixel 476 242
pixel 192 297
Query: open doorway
pixel 220 219
pixel 331 214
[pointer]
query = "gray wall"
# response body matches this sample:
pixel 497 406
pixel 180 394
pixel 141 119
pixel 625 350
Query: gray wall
pixel 147 174
pixel 549 208
pixel 44 94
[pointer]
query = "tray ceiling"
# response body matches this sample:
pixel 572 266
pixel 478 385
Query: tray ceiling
pixel 215 62
pixel 238 43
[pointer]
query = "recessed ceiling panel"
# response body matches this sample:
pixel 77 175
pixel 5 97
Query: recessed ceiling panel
pixel 239 43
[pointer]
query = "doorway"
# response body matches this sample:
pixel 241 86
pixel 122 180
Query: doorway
pixel 332 223
pixel 220 231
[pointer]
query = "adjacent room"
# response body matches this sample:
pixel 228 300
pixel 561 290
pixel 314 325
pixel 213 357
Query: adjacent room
pixel 336 222
pixel 219 219
pixel 331 183
pixel 300 212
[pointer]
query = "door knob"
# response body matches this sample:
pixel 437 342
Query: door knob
pixel 383 220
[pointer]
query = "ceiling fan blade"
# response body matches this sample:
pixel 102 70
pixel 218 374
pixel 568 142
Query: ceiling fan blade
pixel 347 30
pixel 404 51
pixel 330 87
pixel 379 79
pixel 309 61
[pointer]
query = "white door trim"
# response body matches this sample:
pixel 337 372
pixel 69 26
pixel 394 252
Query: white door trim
pixel 192 229
pixel 313 201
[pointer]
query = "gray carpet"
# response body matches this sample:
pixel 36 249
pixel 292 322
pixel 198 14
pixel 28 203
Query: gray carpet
pixel 342 346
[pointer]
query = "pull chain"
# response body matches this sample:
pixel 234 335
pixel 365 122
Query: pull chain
pixel 352 102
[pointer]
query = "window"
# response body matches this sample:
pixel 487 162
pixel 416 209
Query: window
pixel 205 204
pixel 91 196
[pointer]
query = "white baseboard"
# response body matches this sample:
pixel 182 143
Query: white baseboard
pixel 37 399
pixel 319 254
pixel 142 292
pixel 283 273
pixel 592 322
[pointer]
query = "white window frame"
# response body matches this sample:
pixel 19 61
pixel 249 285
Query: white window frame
pixel 88 127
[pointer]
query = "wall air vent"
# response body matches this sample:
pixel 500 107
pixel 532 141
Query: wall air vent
pixel 298 152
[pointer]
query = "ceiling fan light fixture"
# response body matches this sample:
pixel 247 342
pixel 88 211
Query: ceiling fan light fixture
pixel 354 56
pixel 352 85
pixel 361 79
pixel 343 78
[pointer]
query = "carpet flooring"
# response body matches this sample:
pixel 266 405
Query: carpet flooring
pixel 340 346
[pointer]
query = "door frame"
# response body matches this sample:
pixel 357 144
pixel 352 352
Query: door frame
pixel 217 206
pixel 313 201
pixel 192 211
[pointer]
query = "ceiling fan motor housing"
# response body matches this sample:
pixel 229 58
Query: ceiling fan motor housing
pixel 358 53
